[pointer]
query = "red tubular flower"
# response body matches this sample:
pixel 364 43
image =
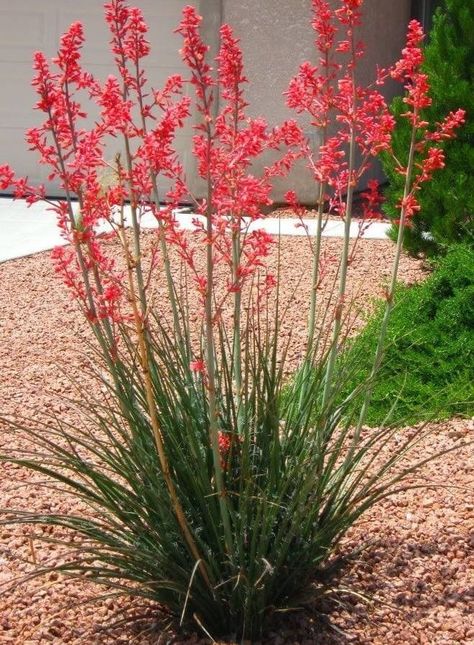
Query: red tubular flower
pixel 432 162
pixel 116 16
pixel 157 150
pixel 330 161
pixel 375 123
pixel 407 71
pixel 225 147
pixel 372 199
pixel 412 54
pixel 268 285
pixel 291 199
pixel 44 83
pixel 129 44
pixel 311 90
pixel 23 190
pixel 417 99
pixel 258 247
pixel 65 263
pixel 328 93
pixel 225 444
pixel 7 177
pixel 349 13
pixel 410 206
pixel 109 302
pixel 197 366
pixel 173 86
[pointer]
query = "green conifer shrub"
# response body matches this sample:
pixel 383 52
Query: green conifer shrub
pixel 429 367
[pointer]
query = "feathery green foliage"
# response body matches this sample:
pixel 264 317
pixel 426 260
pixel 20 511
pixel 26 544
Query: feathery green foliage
pixel 428 366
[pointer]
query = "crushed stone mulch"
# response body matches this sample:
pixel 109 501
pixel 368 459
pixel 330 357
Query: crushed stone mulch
pixel 413 584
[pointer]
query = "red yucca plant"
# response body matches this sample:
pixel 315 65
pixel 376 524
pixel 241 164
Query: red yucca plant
pixel 214 486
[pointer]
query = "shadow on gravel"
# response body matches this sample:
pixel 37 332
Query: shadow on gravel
pixel 402 582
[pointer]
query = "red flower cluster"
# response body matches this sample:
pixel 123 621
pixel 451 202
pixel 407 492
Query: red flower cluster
pixel 68 58
pixel 447 128
pixel 412 55
pixel 75 155
pixel 129 43
pixel 193 53
pixel 349 13
pixel 372 199
pixel 312 89
pixel 7 177
pixel 429 158
pixel 225 146
pixel 135 44
pixel 329 94
pixel 322 24
pixel 225 444
pixel 197 366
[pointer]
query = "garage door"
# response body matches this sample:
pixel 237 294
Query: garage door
pixel 30 25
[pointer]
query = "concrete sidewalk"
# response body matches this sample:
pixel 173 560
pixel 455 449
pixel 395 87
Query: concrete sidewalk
pixel 24 230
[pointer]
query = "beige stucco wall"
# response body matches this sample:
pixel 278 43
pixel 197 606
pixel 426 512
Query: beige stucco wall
pixel 276 36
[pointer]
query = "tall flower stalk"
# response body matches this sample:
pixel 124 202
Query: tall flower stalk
pixel 431 158
pixel 312 91
pixel 329 94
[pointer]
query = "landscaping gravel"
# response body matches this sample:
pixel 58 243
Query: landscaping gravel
pixel 417 570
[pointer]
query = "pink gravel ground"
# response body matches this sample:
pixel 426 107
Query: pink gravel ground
pixel 418 570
